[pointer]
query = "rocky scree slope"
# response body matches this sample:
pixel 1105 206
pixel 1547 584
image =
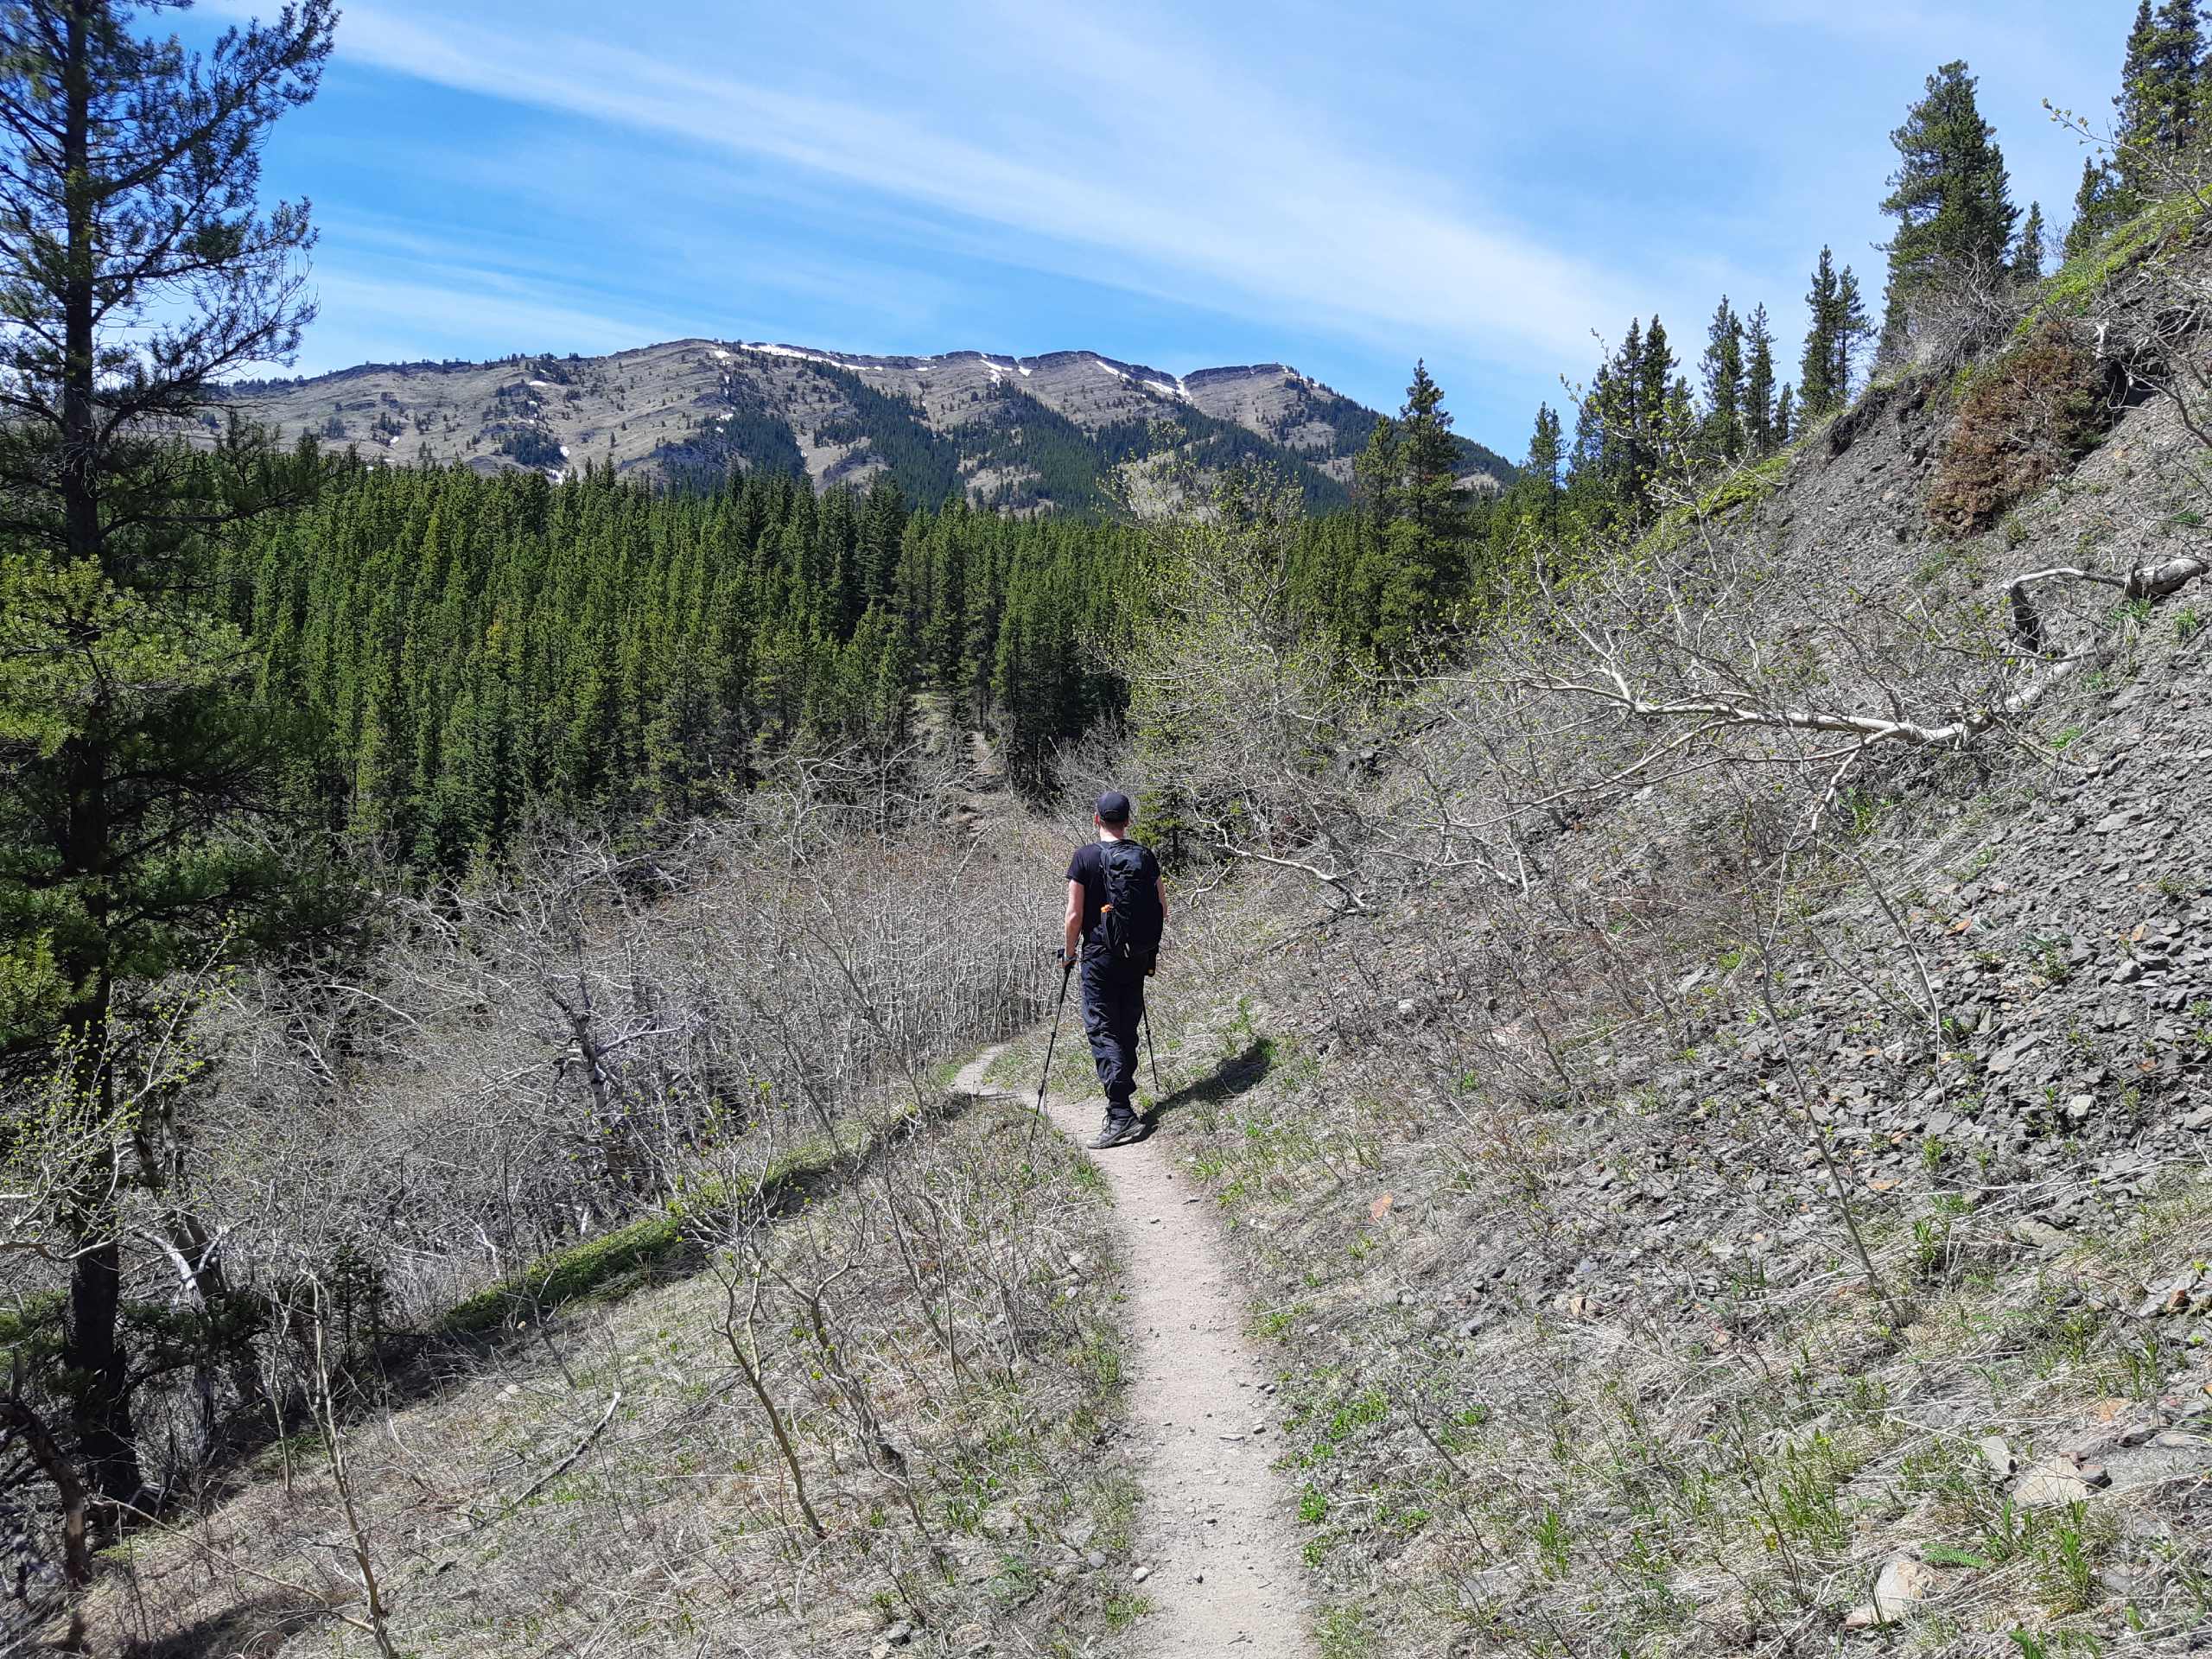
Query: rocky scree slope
pixel 1019 433
pixel 1718 1233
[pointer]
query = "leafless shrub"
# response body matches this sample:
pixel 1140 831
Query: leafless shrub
pixel 1954 313
pixel 511 1067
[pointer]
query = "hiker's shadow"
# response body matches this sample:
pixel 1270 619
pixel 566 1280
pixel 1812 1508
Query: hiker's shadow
pixel 1228 1079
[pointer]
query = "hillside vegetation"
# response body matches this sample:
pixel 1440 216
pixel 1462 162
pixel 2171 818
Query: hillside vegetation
pixel 1711 1104
pixel 1684 1035
pixel 1715 1108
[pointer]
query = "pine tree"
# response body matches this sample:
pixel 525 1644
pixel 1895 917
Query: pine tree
pixel 1726 421
pixel 2097 208
pixel 2027 253
pixel 1785 420
pixel 1758 383
pixel 1545 466
pixel 1950 196
pixel 135 273
pixel 2158 104
pixel 1654 413
pixel 1817 391
pixel 1848 332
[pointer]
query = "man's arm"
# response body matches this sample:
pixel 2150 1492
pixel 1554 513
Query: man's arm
pixel 1074 922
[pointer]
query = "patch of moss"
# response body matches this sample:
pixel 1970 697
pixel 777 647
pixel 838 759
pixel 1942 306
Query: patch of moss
pixel 610 1263
pixel 1741 487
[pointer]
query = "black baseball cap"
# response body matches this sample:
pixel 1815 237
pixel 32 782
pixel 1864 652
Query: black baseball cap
pixel 1113 807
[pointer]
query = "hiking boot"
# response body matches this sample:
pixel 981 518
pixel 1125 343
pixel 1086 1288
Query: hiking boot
pixel 1118 1130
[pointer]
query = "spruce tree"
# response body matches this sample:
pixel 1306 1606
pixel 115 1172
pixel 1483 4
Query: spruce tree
pixel 1621 384
pixel 1588 483
pixel 2113 191
pixel 2167 97
pixel 1656 415
pixel 1545 466
pixel 137 272
pixel 1428 462
pixel 1758 383
pixel 1816 390
pixel 2097 208
pixel 1785 419
pixel 1849 330
pixel 2027 253
pixel 1416 561
pixel 1722 371
pixel 1679 446
pixel 1375 474
pixel 1950 196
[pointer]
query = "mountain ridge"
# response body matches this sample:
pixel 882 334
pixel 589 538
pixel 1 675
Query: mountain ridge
pixel 1066 429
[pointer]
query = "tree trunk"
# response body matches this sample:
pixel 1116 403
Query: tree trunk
pixel 93 1352
pixel 76 1548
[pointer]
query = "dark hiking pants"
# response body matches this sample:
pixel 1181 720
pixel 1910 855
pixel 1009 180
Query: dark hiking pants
pixel 1113 1004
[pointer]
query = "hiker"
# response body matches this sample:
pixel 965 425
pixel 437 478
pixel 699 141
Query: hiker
pixel 1117 906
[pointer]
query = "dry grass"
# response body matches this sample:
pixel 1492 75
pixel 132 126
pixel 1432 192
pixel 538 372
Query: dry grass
pixel 990 1371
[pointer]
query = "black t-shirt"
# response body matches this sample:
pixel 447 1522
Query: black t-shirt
pixel 1088 867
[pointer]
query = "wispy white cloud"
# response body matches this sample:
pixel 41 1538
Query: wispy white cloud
pixel 1482 186
pixel 1160 168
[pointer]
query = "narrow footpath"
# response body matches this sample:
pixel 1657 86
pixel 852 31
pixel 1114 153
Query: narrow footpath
pixel 1213 1537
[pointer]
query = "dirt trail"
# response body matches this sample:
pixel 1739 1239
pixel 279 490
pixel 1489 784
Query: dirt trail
pixel 1215 1527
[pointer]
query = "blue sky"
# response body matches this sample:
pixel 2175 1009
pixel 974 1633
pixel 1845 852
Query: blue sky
pixel 1481 184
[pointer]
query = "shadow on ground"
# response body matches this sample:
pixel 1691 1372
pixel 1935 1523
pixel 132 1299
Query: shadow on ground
pixel 253 1629
pixel 1230 1077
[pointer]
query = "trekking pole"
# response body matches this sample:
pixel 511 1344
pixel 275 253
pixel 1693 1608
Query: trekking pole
pixel 1153 1049
pixel 1067 973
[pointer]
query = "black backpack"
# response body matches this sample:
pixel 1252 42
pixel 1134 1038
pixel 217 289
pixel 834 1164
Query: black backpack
pixel 1129 919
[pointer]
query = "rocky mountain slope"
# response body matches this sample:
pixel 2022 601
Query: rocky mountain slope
pixel 1708 1106
pixel 1014 433
pixel 1724 1157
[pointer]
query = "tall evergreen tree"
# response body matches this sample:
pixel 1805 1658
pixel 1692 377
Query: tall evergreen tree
pixel 1950 196
pixel 1428 462
pixel 1416 564
pixel 1849 330
pixel 1546 465
pixel 2159 103
pixel 136 270
pixel 1816 390
pixel 2136 106
pixel 2027 252
pixel 1785 418
pixel 1758 383
pixel 2112 189
pixel 2097 208
pixel 1656 415
pixel 1722 371
pixel 1375 474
